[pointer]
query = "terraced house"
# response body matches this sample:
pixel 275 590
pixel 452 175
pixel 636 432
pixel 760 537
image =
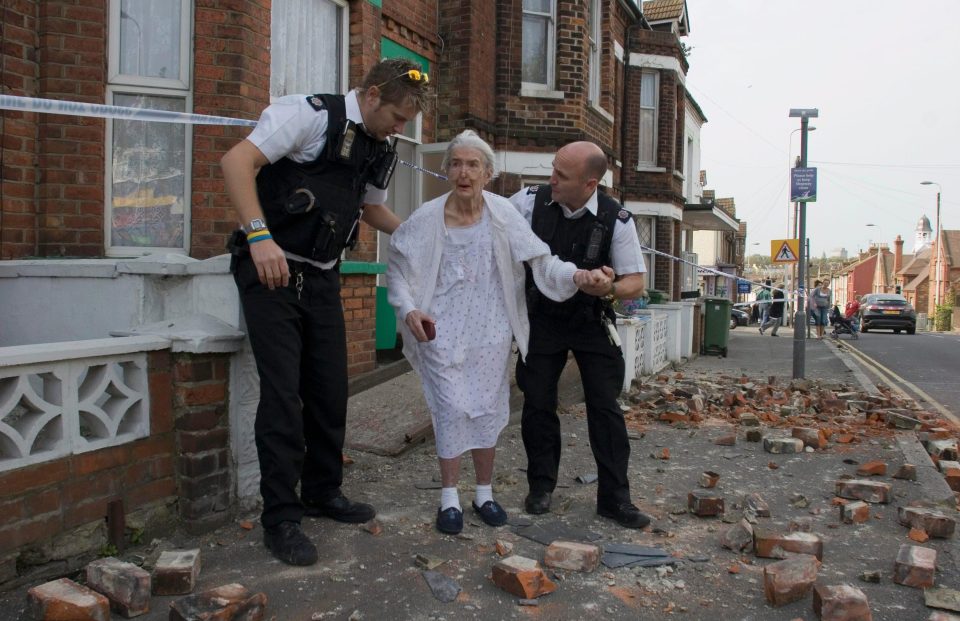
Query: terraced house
pixel 123 366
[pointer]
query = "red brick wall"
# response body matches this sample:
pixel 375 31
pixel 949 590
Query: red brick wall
pixel 18 146
pixel 186 457
pixel 231 78
pixel 71 65
pixel 45 500
pixel 359 313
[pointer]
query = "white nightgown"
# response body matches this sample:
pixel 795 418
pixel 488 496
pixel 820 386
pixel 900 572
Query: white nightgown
pixel 465 369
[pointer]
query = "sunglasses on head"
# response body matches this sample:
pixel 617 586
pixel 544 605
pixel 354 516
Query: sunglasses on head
pixel 413 75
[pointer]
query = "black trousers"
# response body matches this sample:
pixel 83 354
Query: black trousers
pixel 601 369
pixel 299 344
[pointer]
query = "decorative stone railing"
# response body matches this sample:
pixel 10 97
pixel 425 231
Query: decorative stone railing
pixel 58 399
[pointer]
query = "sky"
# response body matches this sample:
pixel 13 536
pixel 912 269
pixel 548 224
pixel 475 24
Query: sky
pixel 885 77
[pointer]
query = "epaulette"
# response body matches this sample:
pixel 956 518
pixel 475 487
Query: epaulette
pixel 623 216
pixel 316 103
pixel 533 189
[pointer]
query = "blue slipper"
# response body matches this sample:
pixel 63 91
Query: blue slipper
pixel 450 520
pixel 491 513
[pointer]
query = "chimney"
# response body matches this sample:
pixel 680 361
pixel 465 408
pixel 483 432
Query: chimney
pixel 897 255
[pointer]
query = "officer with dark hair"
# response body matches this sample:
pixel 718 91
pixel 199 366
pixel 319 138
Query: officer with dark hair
pixel 300 183
pixel 585 226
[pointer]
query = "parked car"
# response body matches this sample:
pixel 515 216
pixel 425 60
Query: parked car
pixel 746 307
pixel 738 318
pixel 887 311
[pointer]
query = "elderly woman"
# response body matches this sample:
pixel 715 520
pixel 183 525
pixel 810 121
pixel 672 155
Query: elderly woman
pixel 456 279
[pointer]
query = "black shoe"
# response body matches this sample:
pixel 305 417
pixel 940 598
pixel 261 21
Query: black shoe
pixel 537 503
pixel 288 543
pixel 626 515
pixel 450 520
pixel 340 509
pixel 491 513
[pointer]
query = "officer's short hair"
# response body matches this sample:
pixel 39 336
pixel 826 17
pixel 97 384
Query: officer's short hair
pixel 390 76
pixel 470 140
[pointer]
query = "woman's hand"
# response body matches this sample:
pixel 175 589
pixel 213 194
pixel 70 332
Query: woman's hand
pixel 421 325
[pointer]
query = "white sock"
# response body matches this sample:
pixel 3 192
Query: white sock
pixel 484 494
pixel 449 498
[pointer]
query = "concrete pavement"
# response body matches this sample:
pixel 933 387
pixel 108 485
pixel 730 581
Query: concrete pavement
pixel 366 576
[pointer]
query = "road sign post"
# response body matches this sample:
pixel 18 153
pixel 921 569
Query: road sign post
pixel 799 322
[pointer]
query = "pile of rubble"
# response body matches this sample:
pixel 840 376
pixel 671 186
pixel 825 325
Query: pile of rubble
pixel 127 588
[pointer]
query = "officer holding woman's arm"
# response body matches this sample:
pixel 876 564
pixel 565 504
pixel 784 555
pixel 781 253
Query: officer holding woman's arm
pixel 300 183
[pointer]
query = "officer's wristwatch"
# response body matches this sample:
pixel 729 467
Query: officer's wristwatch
pixel 612 294
pixel 257 224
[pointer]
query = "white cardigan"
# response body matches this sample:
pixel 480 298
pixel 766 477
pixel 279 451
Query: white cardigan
pixel 416 248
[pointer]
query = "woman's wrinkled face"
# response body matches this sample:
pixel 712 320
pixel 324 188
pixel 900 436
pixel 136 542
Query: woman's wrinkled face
pixel 467 172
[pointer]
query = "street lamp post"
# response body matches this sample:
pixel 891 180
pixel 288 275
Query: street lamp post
pixel 799 333
pixel 937 281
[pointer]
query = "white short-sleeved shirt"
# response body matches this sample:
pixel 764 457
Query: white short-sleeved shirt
pixel 625 253
pixel 291 127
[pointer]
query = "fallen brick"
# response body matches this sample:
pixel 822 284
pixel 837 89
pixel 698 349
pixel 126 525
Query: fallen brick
pixel 789 580
pixel 674 417
pixel 749 420
pixel 664 453
pixel 572 556
pixel 952 477
pixel 230 602
pixel 810 437
pixel 708 479
pixel 918 534
pixel 915 566
pixel 862 489
pixel 738 537
pixel 875 468
pixel 943 616
pixel 755 504
pixel 754 435
pixel 935 523
pixel 942 598
pixel 840 603
pixel 374 527
pixel 906 472
pixel 769 544
pixel 522 577
pixel 856 512
pixel 799 525
pixel 945 464
pixel 125 585
pixel 943 449
pixel 729 439
pixel 844 438
pixel 704 503
pixel 504 547
pixel 900 421
pixel 783 445
pixel 64 599
pixel 176 572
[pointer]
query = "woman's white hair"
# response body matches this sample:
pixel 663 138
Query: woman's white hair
pixel 470 140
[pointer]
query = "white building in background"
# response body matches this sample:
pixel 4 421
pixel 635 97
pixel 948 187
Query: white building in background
pixel 923 234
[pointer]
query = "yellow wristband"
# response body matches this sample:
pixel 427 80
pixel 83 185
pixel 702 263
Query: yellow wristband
pixel 258 234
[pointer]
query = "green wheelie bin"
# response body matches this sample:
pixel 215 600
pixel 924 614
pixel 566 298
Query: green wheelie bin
pixel 716 326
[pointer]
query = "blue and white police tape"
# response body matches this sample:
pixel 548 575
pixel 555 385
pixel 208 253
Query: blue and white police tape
pixel 128 113
pixel 712 271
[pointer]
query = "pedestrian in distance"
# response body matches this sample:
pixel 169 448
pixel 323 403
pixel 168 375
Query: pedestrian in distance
pixel 583 225
pixel 821 299
pixel 811 306
pixel 776 309
pixel 300 183
pixel 763 301
pixel 456 277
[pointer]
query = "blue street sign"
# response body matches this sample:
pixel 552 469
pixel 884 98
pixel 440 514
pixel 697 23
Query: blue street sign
pixel 803 185
pixel 743 287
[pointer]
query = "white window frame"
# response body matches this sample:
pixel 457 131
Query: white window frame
pixel 649 258
pixel 127 251
pixel 178 87
pixel 182 81
pixel 641 163
pixel 344 84
pixel 593 53
pixel 550 51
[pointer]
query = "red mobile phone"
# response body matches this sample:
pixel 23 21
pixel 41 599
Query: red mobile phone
pixel 429 328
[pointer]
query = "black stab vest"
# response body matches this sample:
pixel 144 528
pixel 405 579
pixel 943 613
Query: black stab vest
pixel 584 241
pixel 332 188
